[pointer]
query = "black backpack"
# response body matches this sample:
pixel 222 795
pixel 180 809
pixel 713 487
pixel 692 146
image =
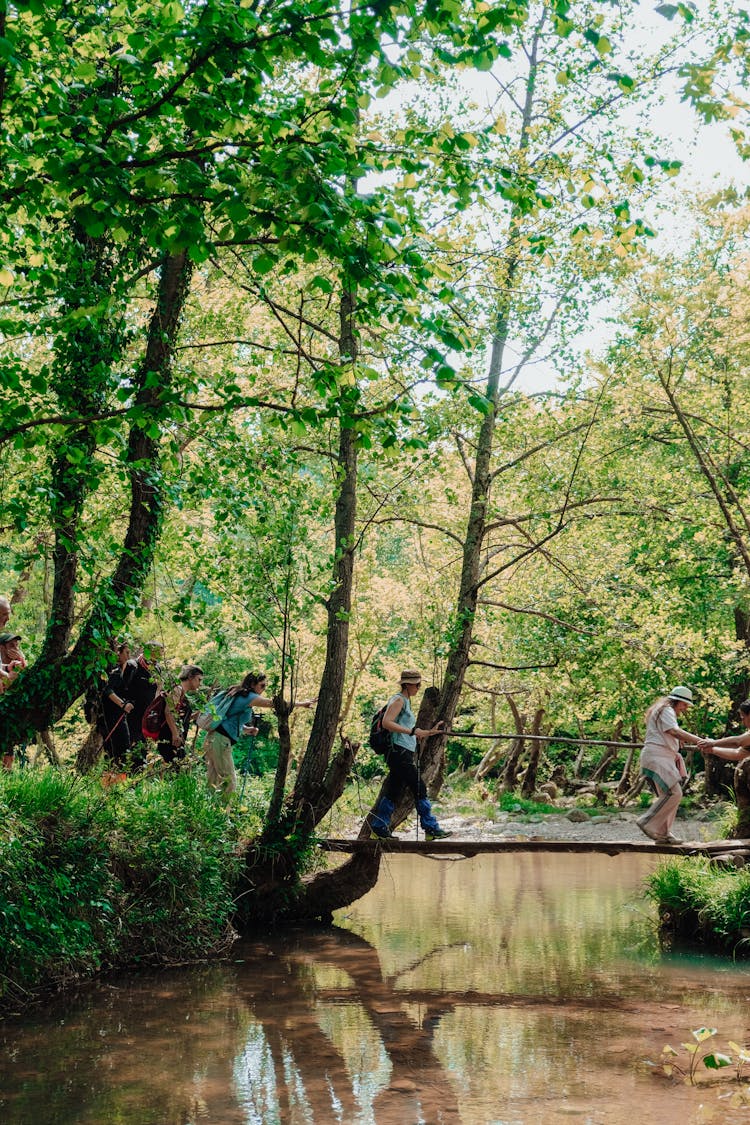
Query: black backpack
pixel 380 738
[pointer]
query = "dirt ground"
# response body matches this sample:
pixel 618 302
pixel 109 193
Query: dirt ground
pixel 617 824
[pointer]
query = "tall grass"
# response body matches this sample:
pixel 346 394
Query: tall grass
pixel 91 878
pixel 702 903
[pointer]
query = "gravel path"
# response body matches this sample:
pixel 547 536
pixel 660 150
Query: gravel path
pixel 578 826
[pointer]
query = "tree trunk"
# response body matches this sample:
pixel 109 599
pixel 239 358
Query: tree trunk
pixel 535 752
pixel 509 779
pixel 309 791
pixel 49 687
pixel 740 690
pixel 624 783
pixel 90 750
pixel 282 710
pixel 46 744
pixel 742 797
pixel 609 755
pixel 272 890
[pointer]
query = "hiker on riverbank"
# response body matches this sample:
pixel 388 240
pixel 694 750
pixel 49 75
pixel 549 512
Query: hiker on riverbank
pixel 402 764
pixel 663 765
pixel 173 738
pixel 735 747
pixel 147 681
pixel 235 706
pixel 116 707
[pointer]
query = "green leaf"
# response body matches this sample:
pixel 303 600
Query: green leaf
pixel 716 1061
pixel 264 262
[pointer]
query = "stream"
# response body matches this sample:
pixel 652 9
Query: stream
pixel 500 990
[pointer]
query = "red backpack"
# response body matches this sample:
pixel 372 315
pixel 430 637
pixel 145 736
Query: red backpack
pixel 155 716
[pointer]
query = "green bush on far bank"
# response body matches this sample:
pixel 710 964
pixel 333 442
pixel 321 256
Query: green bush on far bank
pixel 93 877
pixel 703 904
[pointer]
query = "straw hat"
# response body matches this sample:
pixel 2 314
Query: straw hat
pixel 409 676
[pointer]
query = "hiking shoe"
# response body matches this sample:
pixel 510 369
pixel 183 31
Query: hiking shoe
pixel 436 834
pixel 647 831
pixel 382 834
pixel 670 839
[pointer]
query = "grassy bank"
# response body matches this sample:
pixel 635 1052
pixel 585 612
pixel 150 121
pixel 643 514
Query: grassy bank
pixel 92 878
pixel 703 905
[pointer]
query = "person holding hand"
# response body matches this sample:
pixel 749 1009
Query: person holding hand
pixel 662 763
pixel 236 705
pixel 402 762
pixel 733 748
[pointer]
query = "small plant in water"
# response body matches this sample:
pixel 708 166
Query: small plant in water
pixel 712 1060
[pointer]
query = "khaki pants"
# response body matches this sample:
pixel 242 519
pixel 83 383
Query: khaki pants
pixel 660 817
pixel 220 763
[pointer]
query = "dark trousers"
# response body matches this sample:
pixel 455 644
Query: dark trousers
pixel 403 774
pixel 115 731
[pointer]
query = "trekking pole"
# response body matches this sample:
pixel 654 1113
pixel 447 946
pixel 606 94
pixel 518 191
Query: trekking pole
pixel 109 733
pixel 419 787
pixel 246 764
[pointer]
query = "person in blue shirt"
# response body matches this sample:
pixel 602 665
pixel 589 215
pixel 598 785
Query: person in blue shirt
pixel 236 719
pixel 402 762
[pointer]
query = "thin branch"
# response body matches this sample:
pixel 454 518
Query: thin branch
pixel 539 613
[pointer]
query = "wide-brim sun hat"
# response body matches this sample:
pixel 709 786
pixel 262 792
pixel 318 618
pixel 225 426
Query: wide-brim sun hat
pixel 681 694
pixel 409 676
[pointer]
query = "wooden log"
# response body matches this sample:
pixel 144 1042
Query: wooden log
pixel 469 848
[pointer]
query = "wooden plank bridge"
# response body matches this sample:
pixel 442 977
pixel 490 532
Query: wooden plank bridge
pixel 469 848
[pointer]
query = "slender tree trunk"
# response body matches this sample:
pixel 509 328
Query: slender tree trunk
pixel 509 778
pixel 46 690
pixel 90 750
pixel 464 613
pixel 282 709
pixel 535 753
pixel 742 797
pixel 309 795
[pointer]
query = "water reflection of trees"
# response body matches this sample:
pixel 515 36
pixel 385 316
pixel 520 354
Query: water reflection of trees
pixel 412 1083
pixel 252 1044
pixel 307 1028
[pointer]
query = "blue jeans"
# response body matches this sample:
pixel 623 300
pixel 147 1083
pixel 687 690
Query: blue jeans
pixel 403 774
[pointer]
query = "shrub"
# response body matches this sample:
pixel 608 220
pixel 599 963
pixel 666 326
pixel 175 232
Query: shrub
pixel 700 902
pixel 91 878
pixel 175 856
pixel 56 887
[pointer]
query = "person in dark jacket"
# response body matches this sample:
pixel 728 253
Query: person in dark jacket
pixel 117 707
pixel 147 680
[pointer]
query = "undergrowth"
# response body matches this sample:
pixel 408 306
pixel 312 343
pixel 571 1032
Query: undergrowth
pixel 702 903
pixel 91 878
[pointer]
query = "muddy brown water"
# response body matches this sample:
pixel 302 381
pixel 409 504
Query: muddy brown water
pixel 499 990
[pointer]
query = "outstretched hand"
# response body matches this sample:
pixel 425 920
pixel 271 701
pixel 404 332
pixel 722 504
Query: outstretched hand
pixel 437 729
pixel 705 746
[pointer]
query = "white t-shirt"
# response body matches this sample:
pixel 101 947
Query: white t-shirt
pixel 661 751
pixel 659 722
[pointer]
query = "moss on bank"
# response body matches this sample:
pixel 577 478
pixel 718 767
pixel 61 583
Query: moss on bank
pixel 92 878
